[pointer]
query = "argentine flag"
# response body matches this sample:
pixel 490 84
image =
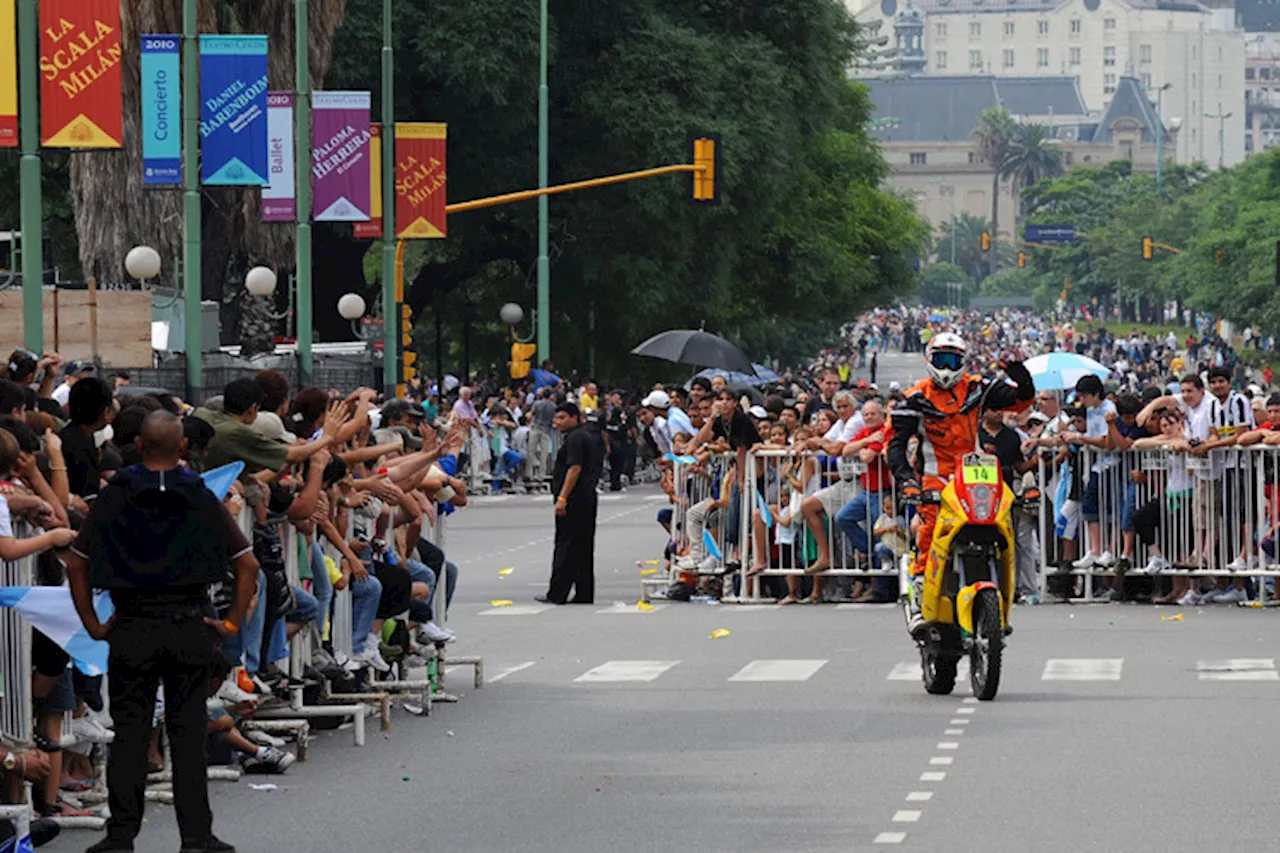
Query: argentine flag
pixel 51 611
pixel 17 845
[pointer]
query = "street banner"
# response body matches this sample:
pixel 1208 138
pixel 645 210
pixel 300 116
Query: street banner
pixel 340 155
pixel 81 96
pixel 161 109
pixel 279 201
pixel 8 76
pixel 373 228
pixel 420 180
pixel 233 110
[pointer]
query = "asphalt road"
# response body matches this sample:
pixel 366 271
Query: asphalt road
pixel 805 729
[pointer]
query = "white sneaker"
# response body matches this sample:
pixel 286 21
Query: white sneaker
pixel 433 633
pixel 373 659
pixel 1235 595
pixel 1088 561
pixel 272 760
pixel 231 693
pixel 264 739
pixel 1106 560
pixel 86 729
pixel 261 687
pixel 1105 596
pixel 709 564
pixel 1211 596
pixel 1239 564
pixel 688 562
pixel 1155 565
pixel 1190 599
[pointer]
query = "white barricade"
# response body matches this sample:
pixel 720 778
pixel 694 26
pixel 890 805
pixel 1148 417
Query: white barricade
pixel 15 654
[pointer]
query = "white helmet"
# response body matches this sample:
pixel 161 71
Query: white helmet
pixel 945 356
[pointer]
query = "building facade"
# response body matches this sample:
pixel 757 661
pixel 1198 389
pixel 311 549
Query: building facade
pixel 1196 51
pixel 1262 92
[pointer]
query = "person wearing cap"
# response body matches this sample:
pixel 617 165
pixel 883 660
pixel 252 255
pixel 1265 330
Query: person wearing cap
pixel 71 374
pixel 573 482
pixel 653 417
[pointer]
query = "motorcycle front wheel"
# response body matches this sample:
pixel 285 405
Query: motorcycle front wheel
pixel 939 672
pixel 988 646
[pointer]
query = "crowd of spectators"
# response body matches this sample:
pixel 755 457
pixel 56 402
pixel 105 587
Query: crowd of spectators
pixel 353 477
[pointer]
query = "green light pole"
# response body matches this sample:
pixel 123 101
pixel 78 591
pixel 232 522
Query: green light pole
pixel 390 318
pixel 1160 135
pixel 29 178
pixel 302 144
pixel 544 262
pixel 191 285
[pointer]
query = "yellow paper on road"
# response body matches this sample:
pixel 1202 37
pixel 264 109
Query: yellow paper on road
pixel 500 602
pixel 643 605
pixel 1177 618
pixel 648 571
pixel 506 571
pixel 719 633
pixel 653 562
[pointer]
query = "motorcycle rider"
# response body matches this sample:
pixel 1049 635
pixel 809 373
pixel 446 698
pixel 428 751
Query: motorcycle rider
pixel 942 412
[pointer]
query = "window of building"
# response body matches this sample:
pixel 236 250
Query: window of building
pixel 918 158
pixel 1076 26
pixel 1219 54
pixel 1248 142
pixel 1194 109
pixel 975 30
pixel 1193 53
pixel 1109 24
pixel 1108 84
pixel 1144 53
pixel 1042 57
pixel 940 60
pixel 973 157
pixel 1109 56
pixel 975 60
pixel 1069 158
pixel 1042 28
pixel 1193 81
pixel 1008 29
pixel 1006 58
pixel 1264 73
pixel 1193 136
pixel 940 29
pixel 1146 80
pixel 1219 81
pixel 1074 56
pixel 1249 73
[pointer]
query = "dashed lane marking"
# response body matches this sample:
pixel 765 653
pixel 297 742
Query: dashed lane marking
pixel 1238 669
pixel 511 670
pixel 907 815
pixel 919 796
pixel 891 838
pixel 626 671
pixel 778 670
pixel 1082 669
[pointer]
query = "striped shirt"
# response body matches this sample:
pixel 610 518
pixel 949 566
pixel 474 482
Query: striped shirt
pixel 1227 419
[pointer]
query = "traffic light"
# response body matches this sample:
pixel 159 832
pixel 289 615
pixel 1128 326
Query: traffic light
pixel 520 355
pixel 408 358
pixel 1148 248
pixel 985 241
pixel 704 151
pixel 1022 260
pixel 1219 256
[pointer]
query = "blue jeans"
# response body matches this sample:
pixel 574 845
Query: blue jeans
pixel 885 587
pixel 862 510
pixel 321 586
pixel 245 646
pixel 365 596
pixel 421 573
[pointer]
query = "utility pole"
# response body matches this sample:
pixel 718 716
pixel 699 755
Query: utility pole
pixel 1160 135
pixel 390 315
pixel 191 282
pixel 29 177
pixel 544 211
pixel 302 167
pixel 1222 132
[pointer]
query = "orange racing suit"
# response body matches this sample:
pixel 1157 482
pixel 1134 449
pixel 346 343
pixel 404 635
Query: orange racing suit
pixel 946 420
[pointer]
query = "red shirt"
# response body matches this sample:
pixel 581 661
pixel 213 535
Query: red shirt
pixel 877 474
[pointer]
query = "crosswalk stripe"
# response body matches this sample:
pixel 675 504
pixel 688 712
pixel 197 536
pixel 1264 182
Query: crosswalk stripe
pixel 620 607
pixel 1082 669
pixel 517 610
pixel 651 498
pixel 778 670
pixel 912 671
pixel 1238 669
pixel 626 670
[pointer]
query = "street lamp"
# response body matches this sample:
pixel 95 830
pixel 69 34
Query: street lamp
pixel 260 281
pixel 1160 90
pixel 142 263
pixel 351 307
pixel 512 315
pixel 1221 118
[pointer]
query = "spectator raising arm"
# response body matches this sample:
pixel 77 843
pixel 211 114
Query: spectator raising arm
pixel 334 418
pixel 58 479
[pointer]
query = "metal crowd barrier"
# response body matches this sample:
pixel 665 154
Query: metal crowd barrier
pixel 15 654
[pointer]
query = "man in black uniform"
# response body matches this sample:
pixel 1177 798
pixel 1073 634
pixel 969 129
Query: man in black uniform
pixel 618 427
pixel 573 481
pixel 156 537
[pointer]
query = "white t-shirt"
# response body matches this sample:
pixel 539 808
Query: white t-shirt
pixel 1096 427
pixel 661 434
pixel 62 394
pixel 6 526
pixel 844 431
pixel 1200 427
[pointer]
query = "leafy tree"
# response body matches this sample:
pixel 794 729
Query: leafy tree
pixel 1032 155
pixel 993 135
pixel 937 285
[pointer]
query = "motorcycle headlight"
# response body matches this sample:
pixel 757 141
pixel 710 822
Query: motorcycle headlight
pixel 984 501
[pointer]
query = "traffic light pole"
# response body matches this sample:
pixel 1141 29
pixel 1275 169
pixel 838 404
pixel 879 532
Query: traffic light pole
pixel 302 144
pixel 390 326
pixel 29 177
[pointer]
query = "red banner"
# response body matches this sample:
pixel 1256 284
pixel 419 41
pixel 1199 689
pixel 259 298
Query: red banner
pixel 80 74
pixel 372 230
pixel 420 180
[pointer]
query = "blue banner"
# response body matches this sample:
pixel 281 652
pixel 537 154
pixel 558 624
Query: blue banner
pixel 161 110
pixel 233 110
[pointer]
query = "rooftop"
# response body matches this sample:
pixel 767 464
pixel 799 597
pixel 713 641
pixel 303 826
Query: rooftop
pixel 889 8
pixel 945 109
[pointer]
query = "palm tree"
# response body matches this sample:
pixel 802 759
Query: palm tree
pixel 111 181
pixel 968 235
pixel 993 136
pixel 1032 156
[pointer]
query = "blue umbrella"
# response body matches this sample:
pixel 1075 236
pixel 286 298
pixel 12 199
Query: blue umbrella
pixel 1058 371
pixel 763 375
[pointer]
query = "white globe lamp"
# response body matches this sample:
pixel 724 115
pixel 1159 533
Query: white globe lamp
pixel 511 314
pixel 351 306
pixel 142 262
pixel 260 281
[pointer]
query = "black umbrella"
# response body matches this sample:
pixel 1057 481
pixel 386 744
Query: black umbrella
pixel 687 346
pixel 739 391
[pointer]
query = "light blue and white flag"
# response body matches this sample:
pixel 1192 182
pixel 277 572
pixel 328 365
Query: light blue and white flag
pixel 18 845
pixel 50 610
pixel 713 549
pixel 763 506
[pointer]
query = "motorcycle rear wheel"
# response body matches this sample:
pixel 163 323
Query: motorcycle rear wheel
pixel 988 646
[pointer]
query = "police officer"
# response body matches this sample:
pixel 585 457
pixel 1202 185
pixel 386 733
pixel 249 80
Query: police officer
pixel 618 428
pixel 155 539
pixel 573 482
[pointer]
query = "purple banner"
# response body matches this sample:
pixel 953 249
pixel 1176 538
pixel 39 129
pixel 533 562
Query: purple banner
pixel 279 200
pixel 340 156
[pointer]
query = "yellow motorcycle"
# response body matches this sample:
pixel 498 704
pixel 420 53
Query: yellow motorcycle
pixel 968 579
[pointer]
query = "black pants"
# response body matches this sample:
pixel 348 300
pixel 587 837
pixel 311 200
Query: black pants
pixel 617 467
pixel 176 649
pixel 573 565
